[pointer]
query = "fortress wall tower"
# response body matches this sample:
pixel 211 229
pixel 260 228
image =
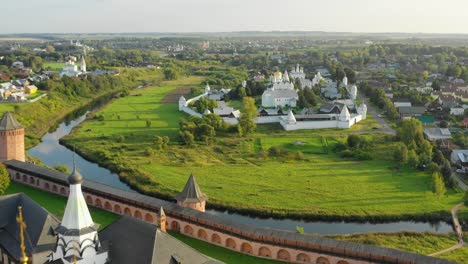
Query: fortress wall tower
pixel 11 139
pixel 191 196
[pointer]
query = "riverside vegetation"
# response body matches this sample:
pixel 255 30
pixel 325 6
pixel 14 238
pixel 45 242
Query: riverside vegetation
pixel 269 172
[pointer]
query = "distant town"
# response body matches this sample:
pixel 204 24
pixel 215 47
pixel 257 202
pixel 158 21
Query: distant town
pixel 246 147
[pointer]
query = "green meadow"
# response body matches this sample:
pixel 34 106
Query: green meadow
pixel 53 65
pixel 237 173
pixel 421 243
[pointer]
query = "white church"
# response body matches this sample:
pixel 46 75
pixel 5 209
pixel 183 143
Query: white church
pixel 281 93
pixel 71 69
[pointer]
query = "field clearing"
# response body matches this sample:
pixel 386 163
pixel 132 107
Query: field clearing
pixel 173 96
pixel 53 65
pixel 234 174
pixel 421 243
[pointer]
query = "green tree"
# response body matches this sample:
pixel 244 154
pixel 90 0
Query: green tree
pixel 247 118
pixel 400 154
pixel 158 142
pixel 438 186
pixel 4 179
pixel 171 74
pixel 413 159
pixel 411 132
pixel 187 138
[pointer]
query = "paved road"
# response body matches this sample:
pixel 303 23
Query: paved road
pixel 385 128
pixel 457 179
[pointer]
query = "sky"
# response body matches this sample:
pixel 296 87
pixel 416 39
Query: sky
pixel 117 16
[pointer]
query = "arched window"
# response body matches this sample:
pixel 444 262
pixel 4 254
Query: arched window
pixel 283 255
pixel 108 206
pixel 230 243
pixel 264 252
pixel 215 238
pixel 202 234
pixel 117 209
pixel 246 248
pixel 149 218
pixel 188 230
pixel 301 257
pixel 322 260
pixel 138 215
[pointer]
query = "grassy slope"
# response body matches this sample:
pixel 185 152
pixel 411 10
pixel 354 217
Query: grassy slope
pixel 421 243
pixel 220 253
pixel 40 116
pixel 232 174
pixel 55 204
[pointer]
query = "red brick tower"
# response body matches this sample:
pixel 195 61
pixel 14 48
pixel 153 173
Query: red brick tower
pixel 191 196
pixel 11 139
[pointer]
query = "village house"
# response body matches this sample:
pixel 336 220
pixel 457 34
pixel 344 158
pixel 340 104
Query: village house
pixel 459 157
pixel 438 134
pixel 457 111
pixel 411 111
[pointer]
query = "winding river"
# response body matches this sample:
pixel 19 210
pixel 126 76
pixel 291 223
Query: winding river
pixel 52 153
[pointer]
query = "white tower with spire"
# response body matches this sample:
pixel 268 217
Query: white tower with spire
pixel 345 81
pixel 78 240
pixel 83 64
pixel 286 76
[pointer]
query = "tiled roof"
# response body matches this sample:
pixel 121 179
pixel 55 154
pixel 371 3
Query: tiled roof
pixel 191 192
pixel 9 122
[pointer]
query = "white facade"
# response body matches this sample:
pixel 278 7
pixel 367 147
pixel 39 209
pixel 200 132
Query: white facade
pixel 71 69
pixel 297 73
pixel 458 111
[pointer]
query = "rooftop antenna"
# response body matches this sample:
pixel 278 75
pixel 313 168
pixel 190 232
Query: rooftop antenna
pixel 22 226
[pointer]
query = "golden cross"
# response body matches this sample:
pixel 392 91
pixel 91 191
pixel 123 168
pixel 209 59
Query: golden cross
pixel 22 226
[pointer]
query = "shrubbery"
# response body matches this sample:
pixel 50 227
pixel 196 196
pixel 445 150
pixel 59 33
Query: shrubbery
pixel 356 147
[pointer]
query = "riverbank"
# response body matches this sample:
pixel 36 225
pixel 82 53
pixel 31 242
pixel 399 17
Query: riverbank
pixel 238 175
pixel 62 100
pixel 421 243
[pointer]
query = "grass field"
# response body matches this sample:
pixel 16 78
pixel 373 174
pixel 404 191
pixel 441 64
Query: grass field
pixel 421 243
pixel 235 174
pixel 53 65
pixel 55 204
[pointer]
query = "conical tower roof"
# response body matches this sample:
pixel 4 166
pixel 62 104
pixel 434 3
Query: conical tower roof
pixel 291 117
pixel 161 212
pixel 9 122
pixel 345 115
pixel 191 192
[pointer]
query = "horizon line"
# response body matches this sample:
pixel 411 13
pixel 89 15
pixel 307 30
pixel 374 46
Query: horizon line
pixel 237 31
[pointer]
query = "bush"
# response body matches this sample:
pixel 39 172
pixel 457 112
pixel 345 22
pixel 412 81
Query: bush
pixel 346 153
pixel 149 152
pixel 4 179
pixel 120 139
pixel 362 155
pixel 339 147
pixel 277 151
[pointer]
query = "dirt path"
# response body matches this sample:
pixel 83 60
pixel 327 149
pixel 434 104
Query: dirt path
pixel 458 230
pixel 174 95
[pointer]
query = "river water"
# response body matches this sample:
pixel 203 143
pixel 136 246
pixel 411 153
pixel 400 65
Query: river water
pixel 52 153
